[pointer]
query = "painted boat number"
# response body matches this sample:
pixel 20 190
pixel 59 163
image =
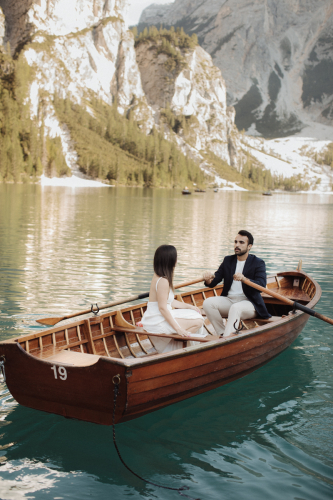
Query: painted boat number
pixel 61 370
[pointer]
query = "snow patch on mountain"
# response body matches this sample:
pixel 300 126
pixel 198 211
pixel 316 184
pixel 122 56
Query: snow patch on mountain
pixel 293 156
pixel 71 182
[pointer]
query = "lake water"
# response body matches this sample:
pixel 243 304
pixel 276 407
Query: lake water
pixel 268 435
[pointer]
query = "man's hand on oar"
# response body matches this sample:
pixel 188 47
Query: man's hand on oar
pixel 54 321
pixel 293 303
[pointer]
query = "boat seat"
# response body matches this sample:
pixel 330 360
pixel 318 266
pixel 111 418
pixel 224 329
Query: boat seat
pixel 67 357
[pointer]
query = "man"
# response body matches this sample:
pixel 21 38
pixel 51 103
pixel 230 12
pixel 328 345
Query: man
pixel 237 301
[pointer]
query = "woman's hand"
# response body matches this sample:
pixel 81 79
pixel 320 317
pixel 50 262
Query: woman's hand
pixel 194 308
pixel 182 332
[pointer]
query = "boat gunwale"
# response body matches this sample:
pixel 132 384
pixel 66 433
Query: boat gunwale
pixel 213 344
pixel 117 361
pixel 183 352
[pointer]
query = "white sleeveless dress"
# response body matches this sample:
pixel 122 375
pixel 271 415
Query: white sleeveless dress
pixel 154 322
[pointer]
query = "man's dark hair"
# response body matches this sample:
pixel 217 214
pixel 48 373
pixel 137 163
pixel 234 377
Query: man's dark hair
pixel 249 236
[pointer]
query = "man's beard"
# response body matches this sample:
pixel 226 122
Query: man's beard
pixel 241 253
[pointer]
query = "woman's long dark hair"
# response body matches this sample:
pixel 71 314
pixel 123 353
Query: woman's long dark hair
pixel 165 259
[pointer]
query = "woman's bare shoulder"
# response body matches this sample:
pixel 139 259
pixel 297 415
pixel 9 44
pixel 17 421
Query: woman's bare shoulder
pixel 163 283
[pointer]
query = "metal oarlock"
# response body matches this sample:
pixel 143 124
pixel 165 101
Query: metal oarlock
pixel 92 309
pixel 237 330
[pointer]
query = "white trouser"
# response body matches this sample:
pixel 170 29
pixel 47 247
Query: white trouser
pixel 235 307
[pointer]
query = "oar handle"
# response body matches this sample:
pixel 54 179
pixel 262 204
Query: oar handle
pixel 305 309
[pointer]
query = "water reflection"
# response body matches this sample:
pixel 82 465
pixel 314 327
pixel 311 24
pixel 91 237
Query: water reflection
pixel 61 250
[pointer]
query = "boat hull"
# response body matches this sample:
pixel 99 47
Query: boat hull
pixel 85 394
pixel 160 384
pixel 147 385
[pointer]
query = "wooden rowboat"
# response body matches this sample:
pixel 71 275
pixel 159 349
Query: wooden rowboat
pixel 69 370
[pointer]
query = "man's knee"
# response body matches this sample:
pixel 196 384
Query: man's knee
pixel 238 309
pixel 235 309
pixel 208 304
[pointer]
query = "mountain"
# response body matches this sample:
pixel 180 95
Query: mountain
pixel 77 46
pixel 276 56
pixel 188 93
pixel 82 49
pixel 82 94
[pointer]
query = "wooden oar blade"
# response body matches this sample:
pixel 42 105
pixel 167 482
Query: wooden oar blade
pixel 49 321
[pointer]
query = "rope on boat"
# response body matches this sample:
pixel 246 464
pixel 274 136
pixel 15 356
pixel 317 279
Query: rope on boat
pixel 116 382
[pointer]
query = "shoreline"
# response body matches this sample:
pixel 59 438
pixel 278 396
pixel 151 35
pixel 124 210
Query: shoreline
pixel 86 183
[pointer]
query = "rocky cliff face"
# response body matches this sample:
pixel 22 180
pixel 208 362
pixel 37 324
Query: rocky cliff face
pixel 82 48
pixel 76 47
pixel 275 56
pixel 195 94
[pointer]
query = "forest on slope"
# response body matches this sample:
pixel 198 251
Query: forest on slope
pixel 25 150
pixel 110 146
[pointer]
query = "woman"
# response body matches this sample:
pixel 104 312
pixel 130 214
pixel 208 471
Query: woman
pixel 159 317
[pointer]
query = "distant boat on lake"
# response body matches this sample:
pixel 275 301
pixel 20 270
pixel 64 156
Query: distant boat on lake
pixel 216 190
pixel 267 193
pixel 200 190
pixel 186 190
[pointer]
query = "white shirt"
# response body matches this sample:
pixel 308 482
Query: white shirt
pixel 236 287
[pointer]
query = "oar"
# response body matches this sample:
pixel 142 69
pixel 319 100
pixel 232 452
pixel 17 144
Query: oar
pixel 54 321
pixel 296 305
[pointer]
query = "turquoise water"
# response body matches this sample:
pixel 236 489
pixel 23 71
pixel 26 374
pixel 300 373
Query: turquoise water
pixel 268 435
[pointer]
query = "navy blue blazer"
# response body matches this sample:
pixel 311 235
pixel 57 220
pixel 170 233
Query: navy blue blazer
pixel 254 270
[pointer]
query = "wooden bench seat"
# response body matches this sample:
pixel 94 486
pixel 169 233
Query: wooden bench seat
pixel 67 357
